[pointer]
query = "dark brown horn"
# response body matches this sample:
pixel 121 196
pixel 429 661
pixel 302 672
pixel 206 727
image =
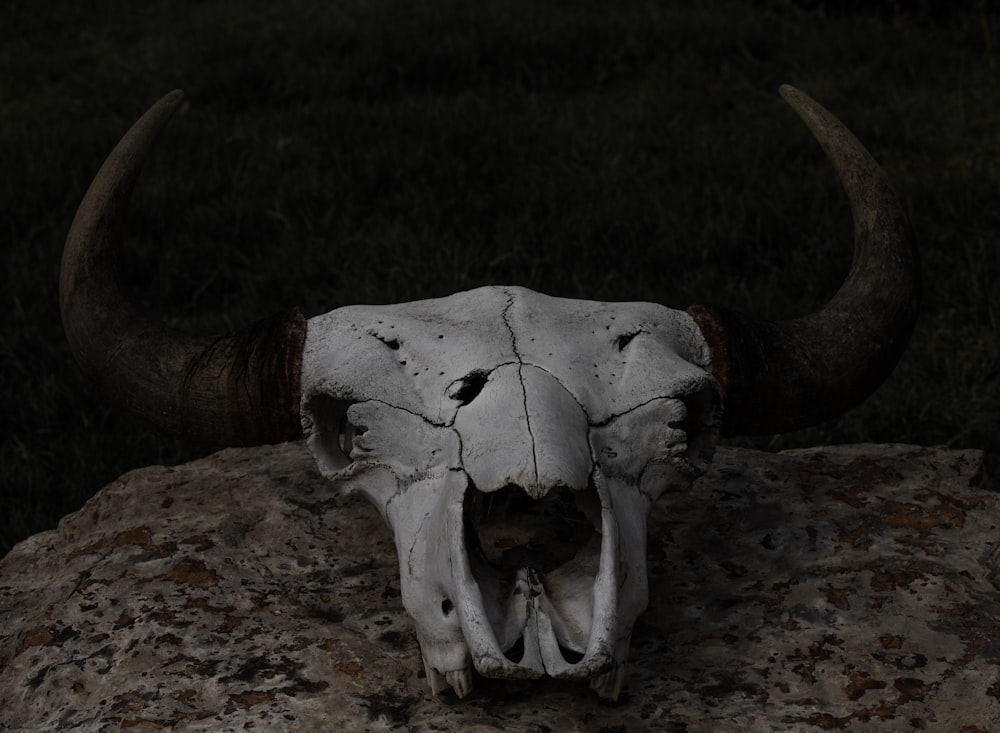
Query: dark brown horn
pixel 778 376
pixel 235 390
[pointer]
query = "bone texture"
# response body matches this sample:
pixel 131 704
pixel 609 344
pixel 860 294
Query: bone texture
pixel 853 588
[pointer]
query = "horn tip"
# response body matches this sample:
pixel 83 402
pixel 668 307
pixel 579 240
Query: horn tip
pixel 172 98
pixel 791 94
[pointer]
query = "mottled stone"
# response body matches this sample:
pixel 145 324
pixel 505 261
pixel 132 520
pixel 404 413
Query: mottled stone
pixel 853 588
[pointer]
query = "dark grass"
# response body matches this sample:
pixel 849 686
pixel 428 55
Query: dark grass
pixel 376 152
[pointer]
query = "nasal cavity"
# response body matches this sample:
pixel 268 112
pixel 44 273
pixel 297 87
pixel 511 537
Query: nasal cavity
pixel 466 389
pixel 510 530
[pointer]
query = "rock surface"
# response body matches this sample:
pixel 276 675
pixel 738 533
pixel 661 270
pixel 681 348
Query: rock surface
pixel 853 588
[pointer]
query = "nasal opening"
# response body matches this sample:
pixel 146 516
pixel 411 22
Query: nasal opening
pixel 510 530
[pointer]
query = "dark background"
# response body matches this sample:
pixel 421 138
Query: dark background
pixel 366 151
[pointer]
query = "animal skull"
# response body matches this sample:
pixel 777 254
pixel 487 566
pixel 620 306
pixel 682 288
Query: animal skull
pixel 513 441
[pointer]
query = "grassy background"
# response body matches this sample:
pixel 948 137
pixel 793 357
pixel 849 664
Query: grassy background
pixel 373 151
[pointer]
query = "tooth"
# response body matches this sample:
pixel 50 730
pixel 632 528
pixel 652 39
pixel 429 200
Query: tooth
pixel 460 681
pixel 609 684
pixel 435 679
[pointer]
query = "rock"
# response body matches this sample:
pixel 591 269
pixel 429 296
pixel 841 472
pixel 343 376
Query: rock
pixel 854 588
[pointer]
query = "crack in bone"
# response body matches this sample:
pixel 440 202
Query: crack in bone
pixel 416 539
pixel 520 378
pixel 611 418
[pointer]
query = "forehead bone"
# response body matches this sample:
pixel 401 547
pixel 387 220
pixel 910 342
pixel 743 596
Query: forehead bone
pixel 611 357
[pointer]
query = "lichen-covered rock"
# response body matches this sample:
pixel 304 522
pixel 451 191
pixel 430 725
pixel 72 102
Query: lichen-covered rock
pixel 853 588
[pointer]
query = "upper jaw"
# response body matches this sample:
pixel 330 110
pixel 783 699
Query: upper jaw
pixel 565 623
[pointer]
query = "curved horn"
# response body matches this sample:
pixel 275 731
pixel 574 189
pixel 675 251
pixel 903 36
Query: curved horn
pixel 235 390
pixel 778 376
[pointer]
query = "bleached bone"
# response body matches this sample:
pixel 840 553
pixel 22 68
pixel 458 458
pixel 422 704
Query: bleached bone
pixel 514 442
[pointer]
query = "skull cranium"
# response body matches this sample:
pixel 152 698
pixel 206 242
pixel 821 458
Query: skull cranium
pixel 514 442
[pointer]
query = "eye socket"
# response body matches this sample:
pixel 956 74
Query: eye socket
pixel 466 389
pixel 332 437
pixel 347 436
pixel 700 424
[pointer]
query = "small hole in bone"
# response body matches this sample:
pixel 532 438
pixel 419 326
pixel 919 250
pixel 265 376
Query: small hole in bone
pixel 569 655
pixel 466 389
pixel 447 607
pixel 390 342
pixel 626 338
pixel 516 652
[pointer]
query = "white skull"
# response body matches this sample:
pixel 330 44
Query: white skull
pixel 515 443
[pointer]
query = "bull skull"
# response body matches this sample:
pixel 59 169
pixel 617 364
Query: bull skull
pixel 514 442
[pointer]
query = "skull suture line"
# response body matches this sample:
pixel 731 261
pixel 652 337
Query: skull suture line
pixel 514 442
